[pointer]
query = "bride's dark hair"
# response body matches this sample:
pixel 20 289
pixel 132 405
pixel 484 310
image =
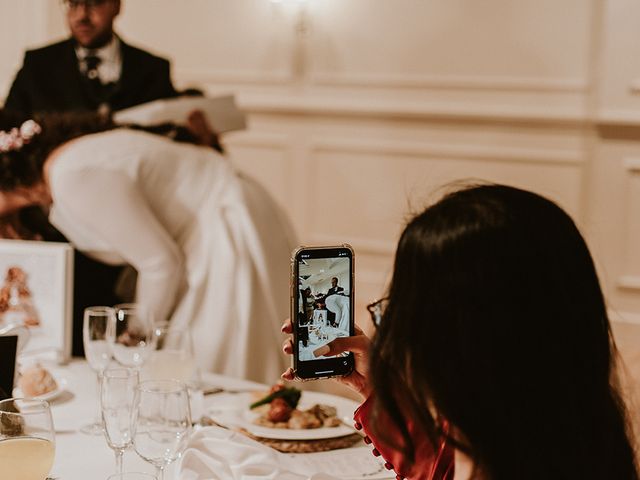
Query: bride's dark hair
pixel 22 167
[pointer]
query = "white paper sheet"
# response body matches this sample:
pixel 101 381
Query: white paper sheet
pixel 221 112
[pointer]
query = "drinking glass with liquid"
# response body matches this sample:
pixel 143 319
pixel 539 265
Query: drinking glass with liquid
pixel 27 439
pixel 173 358
pixel 98 334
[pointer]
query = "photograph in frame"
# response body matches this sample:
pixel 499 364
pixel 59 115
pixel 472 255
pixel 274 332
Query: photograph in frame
pixel 36 290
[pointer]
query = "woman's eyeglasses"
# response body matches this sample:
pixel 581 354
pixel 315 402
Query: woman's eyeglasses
pixel 376 310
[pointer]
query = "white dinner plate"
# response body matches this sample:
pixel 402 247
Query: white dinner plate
pixel 52 395
pixel 232 410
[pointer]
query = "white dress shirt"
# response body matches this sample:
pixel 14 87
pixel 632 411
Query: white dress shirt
pixel 110 66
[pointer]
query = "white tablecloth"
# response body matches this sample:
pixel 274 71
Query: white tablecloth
pixel 86 457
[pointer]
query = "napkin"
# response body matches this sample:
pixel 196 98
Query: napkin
pixel 215 453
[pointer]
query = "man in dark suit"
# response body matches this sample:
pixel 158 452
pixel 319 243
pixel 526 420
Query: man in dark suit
pixel 335 289
pixel 93 70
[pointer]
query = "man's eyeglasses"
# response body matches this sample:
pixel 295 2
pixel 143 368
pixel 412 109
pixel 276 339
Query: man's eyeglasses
pixel 88 4
pixel 376 310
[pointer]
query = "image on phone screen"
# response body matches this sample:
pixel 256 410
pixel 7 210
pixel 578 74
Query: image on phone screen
pixel 324 308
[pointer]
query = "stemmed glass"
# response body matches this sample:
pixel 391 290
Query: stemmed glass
pixel 117 395
pixel 173 357
pixel 134 338
pixel 132 476
pixel 98 332
pixel 162 420
pixel 27 439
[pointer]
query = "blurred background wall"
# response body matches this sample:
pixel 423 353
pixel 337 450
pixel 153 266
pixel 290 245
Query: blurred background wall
pixel 360 110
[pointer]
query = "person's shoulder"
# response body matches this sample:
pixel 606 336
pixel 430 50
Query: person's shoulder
pixel 49 51
pixel 141 55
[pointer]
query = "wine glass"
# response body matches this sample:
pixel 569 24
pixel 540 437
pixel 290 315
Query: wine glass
pixel 162 418
pixel 132 476
pixel 134 338
pixel 27 439
pixel 98 332
pixel 117 395
pixel 173 357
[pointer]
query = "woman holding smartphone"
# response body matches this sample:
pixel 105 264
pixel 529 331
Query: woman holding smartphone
pixel 493 357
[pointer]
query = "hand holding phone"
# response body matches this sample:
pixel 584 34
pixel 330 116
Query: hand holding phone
pixel 322 294
pixel 359 344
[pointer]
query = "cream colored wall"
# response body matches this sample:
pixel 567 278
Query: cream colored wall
pixel 361 109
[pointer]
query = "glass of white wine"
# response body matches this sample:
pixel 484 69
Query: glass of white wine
pixel 173 357
pixel 98 333
pixel 134 337
pixel 117 394
pixel 162 418
pixel 27 439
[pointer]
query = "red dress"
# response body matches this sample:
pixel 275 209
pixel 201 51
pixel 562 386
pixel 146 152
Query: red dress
pixel 430 463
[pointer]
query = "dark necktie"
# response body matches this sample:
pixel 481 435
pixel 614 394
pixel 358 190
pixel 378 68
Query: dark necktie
pixel 99 91
pixel 91 63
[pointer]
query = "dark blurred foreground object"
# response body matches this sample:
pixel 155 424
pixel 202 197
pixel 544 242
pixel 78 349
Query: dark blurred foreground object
pixel 8 350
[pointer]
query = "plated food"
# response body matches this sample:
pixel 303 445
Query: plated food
pixel 278 409
pixel 304 416
pixel 37 382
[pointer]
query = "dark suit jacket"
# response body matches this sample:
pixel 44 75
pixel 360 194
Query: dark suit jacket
pixel 50 81
pixel 334 290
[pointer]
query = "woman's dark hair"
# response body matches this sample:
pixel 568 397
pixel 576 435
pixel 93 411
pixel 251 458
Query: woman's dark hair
pixel 497 323
pixel 23 167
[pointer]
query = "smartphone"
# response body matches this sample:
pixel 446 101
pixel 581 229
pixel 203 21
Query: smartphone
pixel 322 298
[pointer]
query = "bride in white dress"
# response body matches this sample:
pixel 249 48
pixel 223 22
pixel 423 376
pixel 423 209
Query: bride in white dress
pixel 210 246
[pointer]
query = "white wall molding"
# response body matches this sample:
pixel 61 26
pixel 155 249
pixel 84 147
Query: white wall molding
pixel 453 82
pixel 259 140
pixel 240 77
pixel 622 117
pixel 632 164
pixel 629 282
pixel 451 151
pixel 344 105
pixel 624 317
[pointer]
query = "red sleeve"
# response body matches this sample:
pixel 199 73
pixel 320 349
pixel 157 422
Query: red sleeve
pixel 430 463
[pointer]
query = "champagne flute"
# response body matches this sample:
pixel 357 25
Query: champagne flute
pixel 162 418
pixel 134 335
pixel 98 332
pixel 173 357
pixel 117 394
pixel 132 476
pixel 27 439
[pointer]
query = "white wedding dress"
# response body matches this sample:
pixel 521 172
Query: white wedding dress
pixel 210 246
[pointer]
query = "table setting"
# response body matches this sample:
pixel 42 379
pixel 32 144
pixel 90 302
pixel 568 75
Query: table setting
pixel 118 416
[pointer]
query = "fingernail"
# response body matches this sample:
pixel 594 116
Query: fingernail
pixel 323 350
pixel 284 325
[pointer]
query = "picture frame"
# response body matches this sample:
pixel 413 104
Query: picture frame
pixel 36 289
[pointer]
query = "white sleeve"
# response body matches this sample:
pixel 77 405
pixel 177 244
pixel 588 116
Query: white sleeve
pixel 110 206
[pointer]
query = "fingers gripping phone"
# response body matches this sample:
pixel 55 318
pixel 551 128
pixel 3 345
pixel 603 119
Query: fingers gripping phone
pixel 322 298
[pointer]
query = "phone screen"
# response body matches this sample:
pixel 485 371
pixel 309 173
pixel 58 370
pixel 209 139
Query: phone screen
pixel 323 306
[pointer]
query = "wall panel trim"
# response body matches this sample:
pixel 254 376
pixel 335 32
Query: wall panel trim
pixel 451 151
pixel 453 82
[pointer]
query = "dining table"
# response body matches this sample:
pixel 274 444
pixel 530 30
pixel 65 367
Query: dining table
pixel 80 456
